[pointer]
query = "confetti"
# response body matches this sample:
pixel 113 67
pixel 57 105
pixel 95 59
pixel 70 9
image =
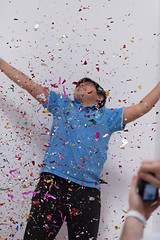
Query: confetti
pixel 63 81
pixel 85 63
pixel 64 92
pixel 60 156
pixel 15 170
pixel 33 192
pixel 54 85
pixel 107 93
pixel 124 142
pixel 97 135
pixel 63 220
pixel 11 196
pixel 36 27
pixel 116 227
pixel 106 135
pixel 48 195
pixel 93 121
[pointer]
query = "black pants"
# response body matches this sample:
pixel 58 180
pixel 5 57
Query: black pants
pixel 58 200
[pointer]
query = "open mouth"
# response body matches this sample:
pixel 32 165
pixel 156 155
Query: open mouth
pixel 89 92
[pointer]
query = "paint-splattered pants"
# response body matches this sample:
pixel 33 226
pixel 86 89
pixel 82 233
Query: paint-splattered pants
pixel 58 200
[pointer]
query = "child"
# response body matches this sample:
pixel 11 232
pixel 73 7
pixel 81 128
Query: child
pixel 70 177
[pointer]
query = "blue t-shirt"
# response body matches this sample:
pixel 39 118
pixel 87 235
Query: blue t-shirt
pixel 79 139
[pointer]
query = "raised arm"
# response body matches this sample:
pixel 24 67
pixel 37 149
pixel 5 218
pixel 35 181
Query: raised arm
pixel 136 111
pixel 37 91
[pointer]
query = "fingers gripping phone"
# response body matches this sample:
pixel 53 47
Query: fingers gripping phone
pixel 147 191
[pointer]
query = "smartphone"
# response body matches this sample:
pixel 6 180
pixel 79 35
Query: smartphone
pixel 147 191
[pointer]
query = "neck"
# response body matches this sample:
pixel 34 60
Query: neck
pixel 87 104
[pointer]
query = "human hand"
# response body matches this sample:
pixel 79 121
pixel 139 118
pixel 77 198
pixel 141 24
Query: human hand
pixel 137 204
pixel 147 167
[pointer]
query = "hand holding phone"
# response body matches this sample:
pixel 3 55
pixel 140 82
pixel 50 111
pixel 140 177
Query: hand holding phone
pixel 147 191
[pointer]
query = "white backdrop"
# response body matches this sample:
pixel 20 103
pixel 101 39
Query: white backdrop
pixel 113 42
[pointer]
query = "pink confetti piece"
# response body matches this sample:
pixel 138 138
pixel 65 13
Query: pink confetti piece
pixel 51 196
pixel 64 92
pixel 48 195
pixel 63 220
pixel 25 193
pixel 15 170
pixel 59 80
pixel 97 134
pixel 60 156
pixel 11 196
pixel 50 234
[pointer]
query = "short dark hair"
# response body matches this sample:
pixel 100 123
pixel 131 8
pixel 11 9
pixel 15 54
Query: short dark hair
pixel 100 90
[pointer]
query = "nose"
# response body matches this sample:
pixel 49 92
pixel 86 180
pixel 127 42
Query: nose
pixel 80 85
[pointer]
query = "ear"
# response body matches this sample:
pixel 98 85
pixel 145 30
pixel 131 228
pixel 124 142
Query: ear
pixel 100 98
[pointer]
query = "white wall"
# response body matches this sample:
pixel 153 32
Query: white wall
pixel 70 33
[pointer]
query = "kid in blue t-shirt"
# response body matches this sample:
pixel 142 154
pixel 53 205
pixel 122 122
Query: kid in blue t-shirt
pixel 79 139
pixel 68 189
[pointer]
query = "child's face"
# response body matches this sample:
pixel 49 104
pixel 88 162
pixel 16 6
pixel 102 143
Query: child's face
pixel 86 93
